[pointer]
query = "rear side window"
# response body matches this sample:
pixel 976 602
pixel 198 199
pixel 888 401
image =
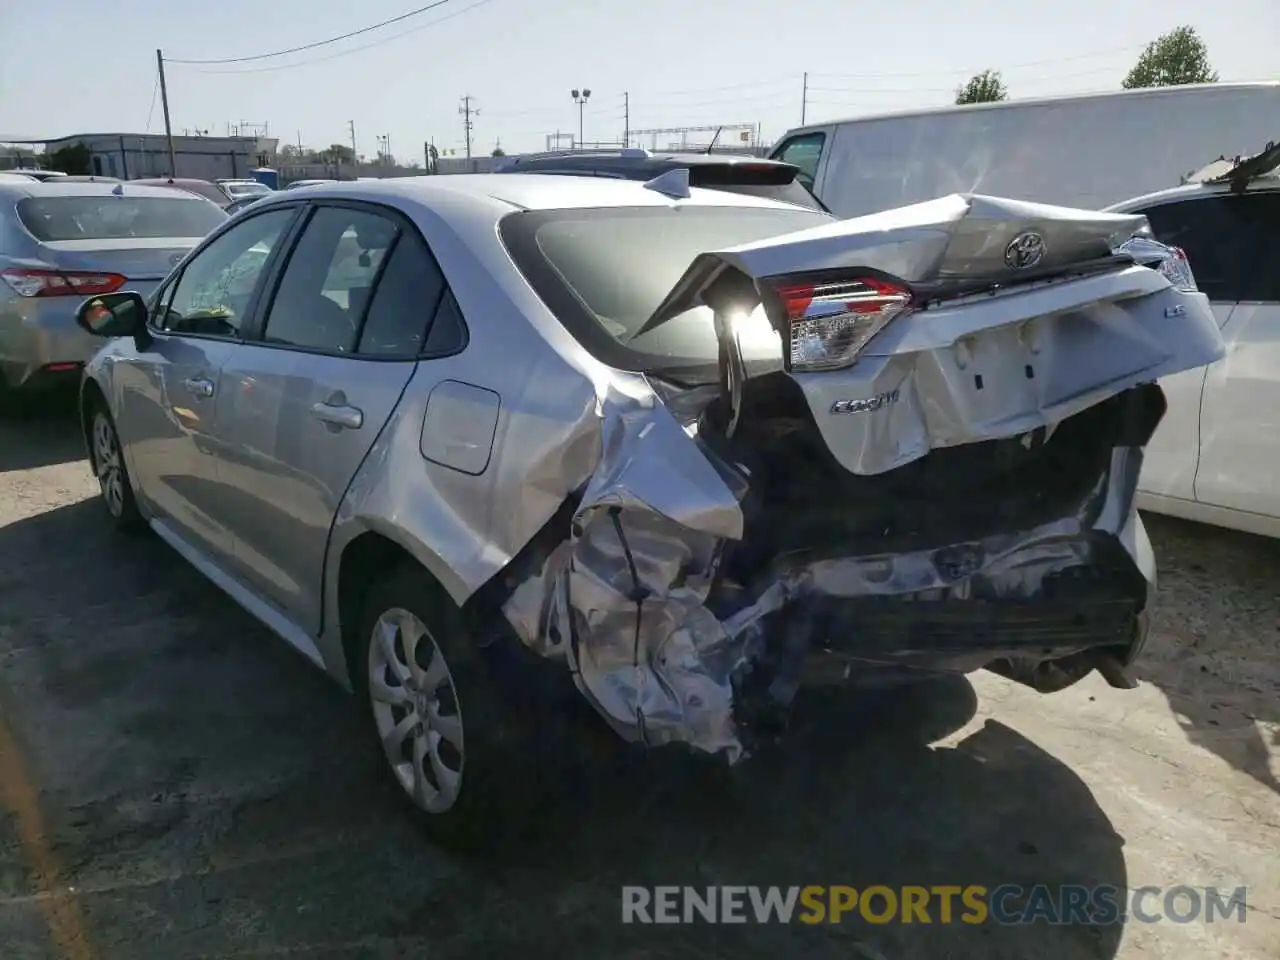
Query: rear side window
pixel 51 219
pixel 1231 242
pixel 803 151
pixel 406 297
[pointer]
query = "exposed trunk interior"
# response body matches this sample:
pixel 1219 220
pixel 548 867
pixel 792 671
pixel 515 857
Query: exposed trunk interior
pixel 803 508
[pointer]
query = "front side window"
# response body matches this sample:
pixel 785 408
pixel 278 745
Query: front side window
pixel 804 152
pixel 326 284
pixel 213 295
pixel 108 217
pixel 1225 239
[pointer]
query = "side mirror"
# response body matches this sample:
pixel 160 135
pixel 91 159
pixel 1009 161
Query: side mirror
pixel 113 315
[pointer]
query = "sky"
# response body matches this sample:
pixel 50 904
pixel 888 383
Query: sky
pixel 680 63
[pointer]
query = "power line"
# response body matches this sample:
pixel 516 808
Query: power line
pixel 322 43
pixel 155 88
pixel 345 53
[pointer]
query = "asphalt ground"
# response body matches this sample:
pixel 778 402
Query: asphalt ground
pixel 177 783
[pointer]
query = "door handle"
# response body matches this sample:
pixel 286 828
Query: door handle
pixel 199 386
pixel 338 415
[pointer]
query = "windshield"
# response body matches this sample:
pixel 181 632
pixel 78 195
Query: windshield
pixel 117 218
pixel 603 272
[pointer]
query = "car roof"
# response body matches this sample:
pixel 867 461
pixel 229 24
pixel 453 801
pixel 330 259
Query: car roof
pixel 531 192
pixel 1187 191
pixel 176 181
pixel 19 190
pixel 639 160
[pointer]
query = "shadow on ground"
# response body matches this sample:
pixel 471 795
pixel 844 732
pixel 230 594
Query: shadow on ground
pixel 39 430
pixel 1214 649
pixel 207 793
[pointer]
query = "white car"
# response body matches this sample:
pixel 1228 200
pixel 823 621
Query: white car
pixel 1216 455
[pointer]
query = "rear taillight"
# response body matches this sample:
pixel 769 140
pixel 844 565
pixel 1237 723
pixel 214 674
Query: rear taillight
pixel 829 324
pixel 1177 270
pixel 1170 262
pixel 57 283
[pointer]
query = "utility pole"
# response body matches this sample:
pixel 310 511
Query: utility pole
pixel 351 126
pixel 467 111
pixel 626 119
pixel 804 97
pixel 164 104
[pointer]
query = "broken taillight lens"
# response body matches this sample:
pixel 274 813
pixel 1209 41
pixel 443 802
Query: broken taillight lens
pixel 829 324
pixel 1170 262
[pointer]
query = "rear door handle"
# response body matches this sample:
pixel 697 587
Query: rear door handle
pixel 338 415
pixel 199 386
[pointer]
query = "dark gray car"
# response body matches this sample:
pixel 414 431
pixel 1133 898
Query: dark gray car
pixel 714 171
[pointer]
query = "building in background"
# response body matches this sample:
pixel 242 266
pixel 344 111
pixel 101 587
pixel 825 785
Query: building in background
pixel 130 156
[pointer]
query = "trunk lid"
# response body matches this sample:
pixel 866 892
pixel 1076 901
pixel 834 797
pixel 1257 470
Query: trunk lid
pixel 1013 316
pixel 133 258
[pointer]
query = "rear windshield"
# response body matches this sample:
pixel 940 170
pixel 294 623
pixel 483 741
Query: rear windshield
pixel 117 218
pixel 603 272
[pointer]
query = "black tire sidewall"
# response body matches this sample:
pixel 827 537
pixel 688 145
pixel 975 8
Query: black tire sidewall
pixel 130 519
pixel 494 742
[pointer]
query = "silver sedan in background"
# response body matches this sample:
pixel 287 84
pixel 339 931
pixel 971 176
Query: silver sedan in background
pixel 60 242
pixel 684 449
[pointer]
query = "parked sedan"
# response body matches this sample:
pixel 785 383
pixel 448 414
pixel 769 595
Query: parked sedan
pixel 683 448
pixel 240 189
pixel 718 171
pixel 235 206
pixel 60 241
pixel 201 188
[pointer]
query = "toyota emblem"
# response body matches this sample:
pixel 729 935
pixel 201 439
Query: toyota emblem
pixel 1025 250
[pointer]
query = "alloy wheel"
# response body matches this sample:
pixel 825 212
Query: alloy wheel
pixel 108 464
pixel 416 710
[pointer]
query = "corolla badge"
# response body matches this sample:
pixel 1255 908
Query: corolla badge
pixel 1025 250
pixel 865 405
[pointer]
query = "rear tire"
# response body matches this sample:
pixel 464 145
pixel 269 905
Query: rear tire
pixel 107 460
pixel 454 747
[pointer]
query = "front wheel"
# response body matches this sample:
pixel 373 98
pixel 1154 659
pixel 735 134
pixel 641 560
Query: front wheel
pixel 107 460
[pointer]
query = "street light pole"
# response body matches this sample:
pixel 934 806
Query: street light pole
pixel 580 97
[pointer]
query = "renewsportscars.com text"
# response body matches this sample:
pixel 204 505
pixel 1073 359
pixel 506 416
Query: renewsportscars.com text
pixel 1008 904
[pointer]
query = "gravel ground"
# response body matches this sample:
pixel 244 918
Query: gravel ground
pixel 175 783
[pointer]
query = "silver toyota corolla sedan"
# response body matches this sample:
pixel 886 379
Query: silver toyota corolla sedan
pixel 688 450
pixel 61 241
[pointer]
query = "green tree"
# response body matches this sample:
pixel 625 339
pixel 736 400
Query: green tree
pixel 338 153
pixel 74 158
pixel 984 87
pixel 498 152
pixel 1175 58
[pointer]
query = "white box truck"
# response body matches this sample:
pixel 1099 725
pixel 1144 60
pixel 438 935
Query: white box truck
pixel 1080 151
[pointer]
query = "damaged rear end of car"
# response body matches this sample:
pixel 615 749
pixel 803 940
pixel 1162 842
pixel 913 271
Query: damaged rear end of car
pixel 913 451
